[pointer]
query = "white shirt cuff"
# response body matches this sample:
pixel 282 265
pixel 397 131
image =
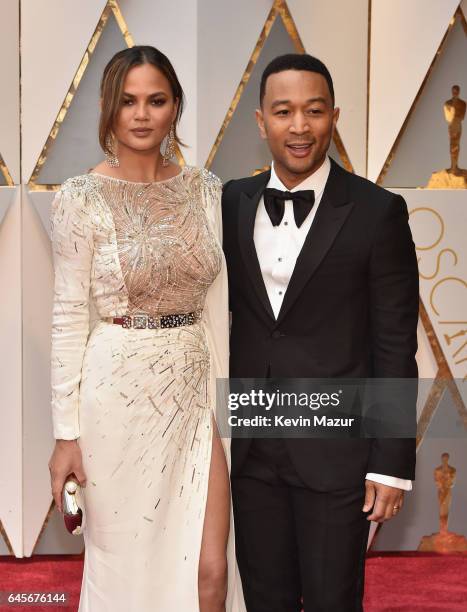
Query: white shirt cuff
pixel 391 481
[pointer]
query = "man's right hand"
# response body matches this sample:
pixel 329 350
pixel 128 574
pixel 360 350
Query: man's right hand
pixel 66 460
pixel 384 501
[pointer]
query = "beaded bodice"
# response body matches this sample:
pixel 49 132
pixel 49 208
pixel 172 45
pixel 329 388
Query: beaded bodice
pixel 151 246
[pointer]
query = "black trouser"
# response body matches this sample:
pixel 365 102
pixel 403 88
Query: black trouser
pixel 294 542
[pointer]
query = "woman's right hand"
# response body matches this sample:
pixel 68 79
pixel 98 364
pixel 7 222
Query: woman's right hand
pixel 65 461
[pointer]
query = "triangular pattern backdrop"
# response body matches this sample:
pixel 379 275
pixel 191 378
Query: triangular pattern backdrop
pixel 405 37
pixel 72 140
pixel 55 36
pixel 75 148
pixel 5 176
pixel 240 132
pixel 337 33
pixel 423 145
pixel 3 181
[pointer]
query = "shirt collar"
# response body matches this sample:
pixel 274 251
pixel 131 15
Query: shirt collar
pixel 316 181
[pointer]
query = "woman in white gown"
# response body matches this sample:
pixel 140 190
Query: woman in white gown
pixel 134 398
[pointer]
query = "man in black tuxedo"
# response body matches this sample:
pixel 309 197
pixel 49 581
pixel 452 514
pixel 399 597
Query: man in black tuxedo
pixel 323 283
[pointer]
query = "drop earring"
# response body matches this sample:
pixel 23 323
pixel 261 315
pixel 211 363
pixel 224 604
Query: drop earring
pixel 170 147
pixel 110 156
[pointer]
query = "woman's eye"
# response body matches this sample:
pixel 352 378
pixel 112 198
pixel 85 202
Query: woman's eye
pixel 158 102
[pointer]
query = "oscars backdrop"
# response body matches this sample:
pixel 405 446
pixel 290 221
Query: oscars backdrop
pixel 400 74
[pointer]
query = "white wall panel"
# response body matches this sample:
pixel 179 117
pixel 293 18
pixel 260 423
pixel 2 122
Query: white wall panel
pixel 37 287
pixel 427 366
pixel 3 547
pixel 228 33
pixel 6 198
pixel 172 28
pixel 438 220
pixel 337 33
pixel 42 202
pixel 404 39
pixel 9 86
pixel 11 476
pixel 54 37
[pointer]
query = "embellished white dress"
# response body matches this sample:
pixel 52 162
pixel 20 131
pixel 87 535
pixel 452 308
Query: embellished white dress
pixel 141 401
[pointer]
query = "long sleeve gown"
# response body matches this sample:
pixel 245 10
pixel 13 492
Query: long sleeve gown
pixel 141 402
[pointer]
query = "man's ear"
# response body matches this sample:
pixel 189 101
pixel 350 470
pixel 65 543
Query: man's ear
pixel 260 122
pixel 335 116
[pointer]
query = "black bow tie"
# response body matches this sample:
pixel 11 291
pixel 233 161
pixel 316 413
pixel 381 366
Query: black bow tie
pixel 274 202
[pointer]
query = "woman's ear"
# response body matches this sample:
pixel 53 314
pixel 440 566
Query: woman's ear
pixel 176 105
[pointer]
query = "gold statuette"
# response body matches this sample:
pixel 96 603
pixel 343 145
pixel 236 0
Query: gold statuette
pixel 444 540
pixel 453 177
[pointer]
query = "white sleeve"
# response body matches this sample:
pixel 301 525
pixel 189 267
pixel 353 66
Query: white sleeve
pixel 72 255
pixel 216 307
pixel 390 481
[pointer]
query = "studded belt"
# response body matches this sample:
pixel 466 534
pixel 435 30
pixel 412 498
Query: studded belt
pixel 142 321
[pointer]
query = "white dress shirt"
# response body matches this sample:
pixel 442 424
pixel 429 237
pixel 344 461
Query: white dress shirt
pixel 277 249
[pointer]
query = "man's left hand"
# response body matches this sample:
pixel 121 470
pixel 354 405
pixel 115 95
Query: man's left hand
pixel 385 501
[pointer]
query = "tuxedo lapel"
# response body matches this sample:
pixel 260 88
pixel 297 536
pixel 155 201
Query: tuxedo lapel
pixel 246 225
pixel 333 210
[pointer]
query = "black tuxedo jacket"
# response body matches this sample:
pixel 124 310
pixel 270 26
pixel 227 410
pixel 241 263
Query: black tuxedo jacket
pixel 350 310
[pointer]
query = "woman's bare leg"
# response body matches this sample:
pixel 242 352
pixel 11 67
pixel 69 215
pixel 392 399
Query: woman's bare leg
pixel 212 573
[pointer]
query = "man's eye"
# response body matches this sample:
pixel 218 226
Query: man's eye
pixel 282 112
pixel 316 111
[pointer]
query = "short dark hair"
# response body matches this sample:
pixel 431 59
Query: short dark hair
pixel 295 61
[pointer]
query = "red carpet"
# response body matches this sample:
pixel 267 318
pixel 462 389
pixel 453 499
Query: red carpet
pixel 416 582
pixel 42 573
pixel 395 582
